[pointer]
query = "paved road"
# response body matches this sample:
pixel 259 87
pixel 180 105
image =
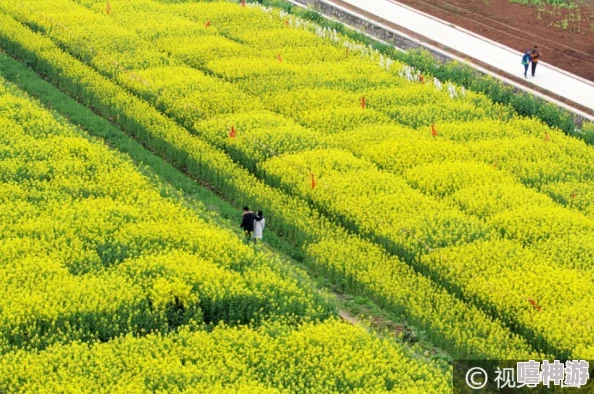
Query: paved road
pixel 499 56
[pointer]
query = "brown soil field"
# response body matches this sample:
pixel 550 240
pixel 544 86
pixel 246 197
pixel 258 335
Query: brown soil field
pixel 522 26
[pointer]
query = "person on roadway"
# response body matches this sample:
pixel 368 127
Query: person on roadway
pixel 526 59
pixel 535 58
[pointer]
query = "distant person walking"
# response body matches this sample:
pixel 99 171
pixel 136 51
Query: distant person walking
pixel 526 59
pixel 535 55
pixel 247 222
pixel 259 224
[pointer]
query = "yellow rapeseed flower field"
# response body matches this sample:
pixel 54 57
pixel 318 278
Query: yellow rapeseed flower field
pixel 441 314
pixel 109 287
pixel 471 221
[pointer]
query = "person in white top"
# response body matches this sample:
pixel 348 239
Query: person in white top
pixel 259 223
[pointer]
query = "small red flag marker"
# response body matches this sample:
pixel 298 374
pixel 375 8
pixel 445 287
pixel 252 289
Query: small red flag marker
pixel 534 304
pixel 313 181
pixel 207 24
pixel 363 102
pixel 279 58
pixel 421 78
pixel 433 131
pixel 232 133
pixel 572 196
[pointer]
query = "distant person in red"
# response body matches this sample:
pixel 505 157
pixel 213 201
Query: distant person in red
pixel 526 59
pixel 247 222
pixel 535 55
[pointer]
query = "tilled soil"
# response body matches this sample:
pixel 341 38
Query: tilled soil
pixel 522 26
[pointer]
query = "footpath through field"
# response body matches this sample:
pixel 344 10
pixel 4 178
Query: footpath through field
pixel 505 59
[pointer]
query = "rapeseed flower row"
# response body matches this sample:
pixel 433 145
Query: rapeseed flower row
pixel 90 250
pixel 107 287
pixel 449 321
pixel 329 357
pixel 325 112
pixel 189 111
pixel 426 239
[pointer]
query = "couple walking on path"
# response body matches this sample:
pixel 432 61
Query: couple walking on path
pixel 252 224
pixel 530 56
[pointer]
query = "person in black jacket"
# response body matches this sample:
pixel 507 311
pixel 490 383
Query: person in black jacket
pixel 247 222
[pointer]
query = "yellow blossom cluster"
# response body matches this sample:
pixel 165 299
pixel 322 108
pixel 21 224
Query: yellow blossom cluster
pixel 330 357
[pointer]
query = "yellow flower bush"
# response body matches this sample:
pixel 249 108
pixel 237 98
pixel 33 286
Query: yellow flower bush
pixel 352 74
pixel 314 358
pixel 575 194
pixel 550 300
pixel 372 202
pixel 438 180
pixel 396 283
pixel 484 201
